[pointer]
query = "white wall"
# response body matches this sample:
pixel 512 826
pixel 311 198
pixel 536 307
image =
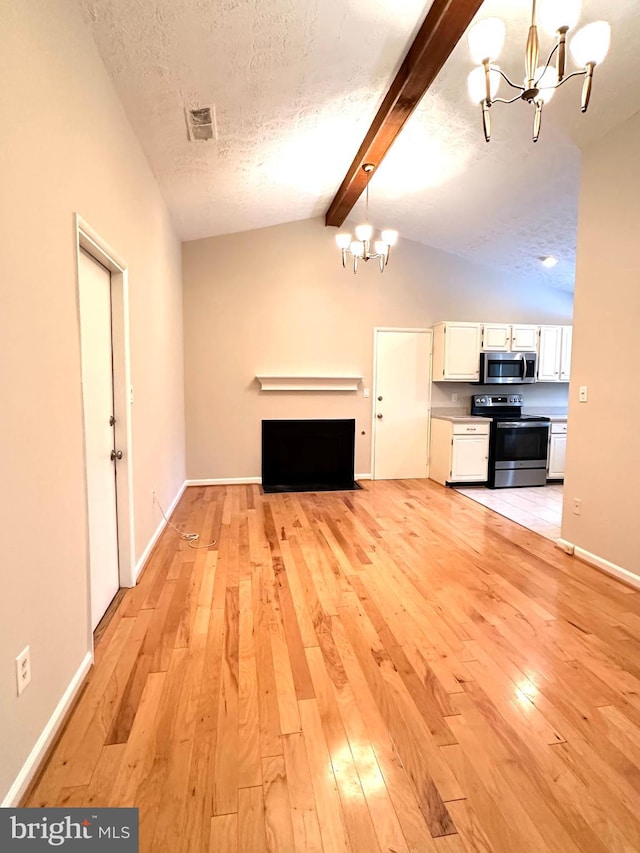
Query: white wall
pixel 66 146
pixel 603 447
pixel 278 300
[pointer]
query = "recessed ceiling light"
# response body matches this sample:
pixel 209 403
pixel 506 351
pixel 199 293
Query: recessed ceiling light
pixel 548 261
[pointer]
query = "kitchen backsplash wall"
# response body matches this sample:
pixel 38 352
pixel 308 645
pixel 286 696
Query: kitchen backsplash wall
pixel 539 394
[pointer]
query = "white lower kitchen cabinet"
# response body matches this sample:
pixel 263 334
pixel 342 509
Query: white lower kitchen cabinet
pixel 459 451
pixel 557 451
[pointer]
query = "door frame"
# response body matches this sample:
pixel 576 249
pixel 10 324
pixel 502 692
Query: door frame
pixel 93 244
pixel 377 329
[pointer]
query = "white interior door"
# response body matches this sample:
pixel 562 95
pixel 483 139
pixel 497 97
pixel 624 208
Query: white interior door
pixel 97 386
pixel 402 403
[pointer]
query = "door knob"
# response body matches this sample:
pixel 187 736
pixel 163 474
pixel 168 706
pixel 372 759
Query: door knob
pixel 116 454
pixel 380 399
pixel 379 416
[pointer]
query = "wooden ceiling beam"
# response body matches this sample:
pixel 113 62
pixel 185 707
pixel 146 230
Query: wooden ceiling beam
pixel 442 29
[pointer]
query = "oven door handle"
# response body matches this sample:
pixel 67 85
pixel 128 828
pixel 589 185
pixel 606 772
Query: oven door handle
pixel 521 425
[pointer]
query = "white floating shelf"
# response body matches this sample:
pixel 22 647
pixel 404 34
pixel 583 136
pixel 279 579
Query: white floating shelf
pixel 309 383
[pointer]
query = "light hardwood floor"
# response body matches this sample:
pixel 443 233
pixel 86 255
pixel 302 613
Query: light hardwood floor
pixel 387 670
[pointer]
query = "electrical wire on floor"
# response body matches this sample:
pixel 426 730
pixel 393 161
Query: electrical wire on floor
pixel 191 538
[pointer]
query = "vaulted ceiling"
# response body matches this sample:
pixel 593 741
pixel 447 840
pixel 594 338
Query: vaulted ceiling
pixel 295 85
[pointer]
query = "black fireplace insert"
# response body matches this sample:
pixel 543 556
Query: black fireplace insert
pixel 308 455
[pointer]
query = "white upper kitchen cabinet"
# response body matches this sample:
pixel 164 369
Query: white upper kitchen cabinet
pixel 524 338
pixel 565 353
pixel 554 353
pixel 549 349
pixel 496 337
pixel 456 352
pixel 504 337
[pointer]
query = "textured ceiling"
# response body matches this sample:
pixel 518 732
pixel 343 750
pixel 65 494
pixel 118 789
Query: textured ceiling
pixel 295 84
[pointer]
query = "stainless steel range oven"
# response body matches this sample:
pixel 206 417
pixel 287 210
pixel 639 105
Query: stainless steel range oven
pixel 518 443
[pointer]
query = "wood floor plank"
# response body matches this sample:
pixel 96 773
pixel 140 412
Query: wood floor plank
pixel 251 828
pixel 249 759
pixel 198 806
pixel 225 791
pixel 325 790
pixel 168 829
pixel 353 803
pixel 304 816
pixel 72 798
pixel 138 757
pixel 396 779
pixel 268 708
pixel 385 820
pixel 409 740
pixel 104 776
pixel 224 834
pixel 277 806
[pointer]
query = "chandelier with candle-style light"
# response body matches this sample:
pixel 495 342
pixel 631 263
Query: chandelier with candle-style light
pixel 588 48
pixel 362 249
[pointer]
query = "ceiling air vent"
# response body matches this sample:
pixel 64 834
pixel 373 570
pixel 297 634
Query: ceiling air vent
pixel 201 123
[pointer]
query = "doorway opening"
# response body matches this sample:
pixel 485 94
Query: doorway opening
pixel 103 312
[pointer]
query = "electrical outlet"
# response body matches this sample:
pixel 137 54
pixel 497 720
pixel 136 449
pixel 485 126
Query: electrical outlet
pixel 454 398
pixel 577 506
pixel 153 497
pixel 23 669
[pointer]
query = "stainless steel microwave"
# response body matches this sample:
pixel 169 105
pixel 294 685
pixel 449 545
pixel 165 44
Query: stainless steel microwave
pixel 507 368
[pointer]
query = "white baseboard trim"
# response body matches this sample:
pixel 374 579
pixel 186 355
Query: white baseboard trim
pixel 600 563
pixel 568 547
pixel 151 544
pixel 245 481
pixel 39 751
pixel 228 481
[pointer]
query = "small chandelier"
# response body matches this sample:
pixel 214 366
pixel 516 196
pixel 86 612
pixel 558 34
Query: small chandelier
pixel 360 249
pixel 588 47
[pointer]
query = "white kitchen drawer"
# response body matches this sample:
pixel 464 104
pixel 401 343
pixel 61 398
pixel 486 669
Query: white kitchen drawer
pixel 471 429
pixel 558 427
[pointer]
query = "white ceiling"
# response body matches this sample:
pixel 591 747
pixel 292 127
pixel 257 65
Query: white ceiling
pixel 296 83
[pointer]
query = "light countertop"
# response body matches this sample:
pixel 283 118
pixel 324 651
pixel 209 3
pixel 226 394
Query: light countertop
pixel 457 416
pixel 460 415
pixel 556 413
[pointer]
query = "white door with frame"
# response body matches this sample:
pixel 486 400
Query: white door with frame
pixel 402 402
pixel 98 402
